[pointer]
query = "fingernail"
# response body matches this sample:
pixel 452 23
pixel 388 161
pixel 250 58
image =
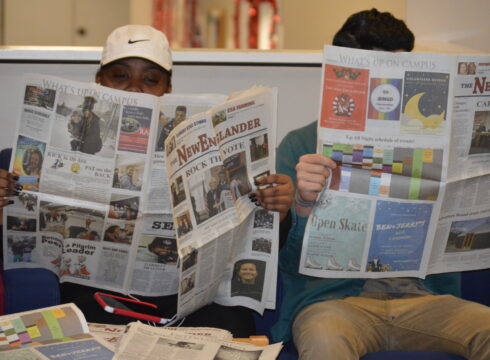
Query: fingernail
pixel 19 187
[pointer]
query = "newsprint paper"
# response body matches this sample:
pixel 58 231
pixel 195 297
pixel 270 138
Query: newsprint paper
pixel 97 205
pixel 410 134
pixel 61 332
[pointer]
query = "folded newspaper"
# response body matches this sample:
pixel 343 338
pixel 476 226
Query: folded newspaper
pixel 58 332
pixel 410 194
pixel 97 204
pixel 61 332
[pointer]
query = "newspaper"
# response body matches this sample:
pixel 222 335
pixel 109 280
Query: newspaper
pixel 95 208
pixel 112 334
pixel 214 158
pixel 411 140
pixel 145 342
pixel 58 332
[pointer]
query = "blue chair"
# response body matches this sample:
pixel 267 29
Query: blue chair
pixel 28 289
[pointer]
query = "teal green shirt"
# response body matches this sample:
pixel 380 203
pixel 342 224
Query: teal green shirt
pixel 301 290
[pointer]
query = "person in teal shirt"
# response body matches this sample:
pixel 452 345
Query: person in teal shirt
pixel 348 318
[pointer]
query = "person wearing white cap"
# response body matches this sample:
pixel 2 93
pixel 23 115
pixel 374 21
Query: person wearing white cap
pixel 137 58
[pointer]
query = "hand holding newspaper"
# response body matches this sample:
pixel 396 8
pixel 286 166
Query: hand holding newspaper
pixel 409 137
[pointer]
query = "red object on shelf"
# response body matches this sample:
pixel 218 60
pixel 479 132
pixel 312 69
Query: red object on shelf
pixel 253 22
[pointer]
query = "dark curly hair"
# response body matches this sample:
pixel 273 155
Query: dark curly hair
pixel 374 30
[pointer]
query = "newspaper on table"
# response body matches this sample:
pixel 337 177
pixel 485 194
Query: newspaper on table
pixel 411 139
pixel 215 158
pixel 146 342
pixel 112 334
pixel 95 208
pixel 58 332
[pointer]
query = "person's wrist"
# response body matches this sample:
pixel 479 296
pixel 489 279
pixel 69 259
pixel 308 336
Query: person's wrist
pixel 303 203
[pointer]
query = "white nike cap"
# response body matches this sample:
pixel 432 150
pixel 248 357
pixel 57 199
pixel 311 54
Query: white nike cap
pixel 141 41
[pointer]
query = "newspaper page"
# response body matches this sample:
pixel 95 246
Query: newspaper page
pixel 112 334
pixel 393 123
pixel 50 333
pixel 145 342
pixel 462 240
pixel 215 158
pixel 88 158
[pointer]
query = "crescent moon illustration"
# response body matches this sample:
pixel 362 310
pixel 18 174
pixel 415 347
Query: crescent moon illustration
pixel 412 109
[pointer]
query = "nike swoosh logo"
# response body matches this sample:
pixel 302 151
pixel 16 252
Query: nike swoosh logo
pixel 135 41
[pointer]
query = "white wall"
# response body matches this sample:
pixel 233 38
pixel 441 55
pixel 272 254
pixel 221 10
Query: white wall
pixel 450 25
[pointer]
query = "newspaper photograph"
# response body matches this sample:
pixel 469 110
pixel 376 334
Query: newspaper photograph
pixel 97 206
pixel 407 134
pixel 226 243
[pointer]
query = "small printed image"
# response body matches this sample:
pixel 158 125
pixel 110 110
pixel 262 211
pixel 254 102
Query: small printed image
pixel 262 245
pixel 263 219
pixel 40 97
pixel 178 192
pixel 17 223
pixel 259 147
pixel 462 68
pixel 344 98
pixel 184 224
pixel 425 101
pixel 85 124
pixel 480 137
pixel 219 117
pixel 386 251
pixel 128 173
pixel 135 129
pixel 466 68
pixel 180 344
pixel 210 193
pixel 20 248
pixel 166 125
pixel 228 353
pixel 236 171
pixel 124 207
pixel 189 258
pixel 26 201
pixel 385 99
pixel 70 221
pixel 258 176
pixel 469 235
pixel 248 278
pixel 119 234
pixel 28 162
pixel 155 249
pixel 171 144
pixel 187 283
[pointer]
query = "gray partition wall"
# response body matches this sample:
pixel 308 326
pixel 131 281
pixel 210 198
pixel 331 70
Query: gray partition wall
pixel 296 74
